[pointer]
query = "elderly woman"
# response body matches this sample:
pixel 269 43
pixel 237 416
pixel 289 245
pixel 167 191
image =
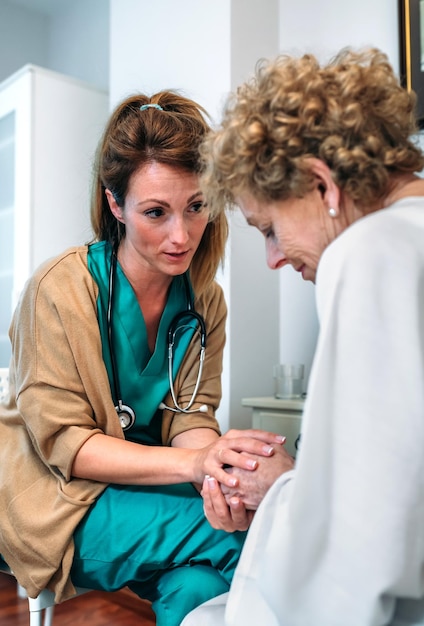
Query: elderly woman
pixel 321 160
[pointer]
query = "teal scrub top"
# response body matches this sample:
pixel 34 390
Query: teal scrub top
pixel 143 377
pixel 156 539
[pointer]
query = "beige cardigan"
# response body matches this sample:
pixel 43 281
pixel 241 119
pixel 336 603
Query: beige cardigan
pixel 63 397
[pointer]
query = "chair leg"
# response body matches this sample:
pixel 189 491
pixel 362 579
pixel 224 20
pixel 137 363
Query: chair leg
pixel 48 616
pixel 36 618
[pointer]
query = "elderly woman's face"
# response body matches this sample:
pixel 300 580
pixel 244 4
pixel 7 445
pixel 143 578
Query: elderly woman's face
pixel 296 230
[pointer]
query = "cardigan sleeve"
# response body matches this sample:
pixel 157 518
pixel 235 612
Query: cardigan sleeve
pixel 214 311
pixel 62 391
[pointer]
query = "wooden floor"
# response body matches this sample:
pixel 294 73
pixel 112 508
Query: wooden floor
pixel 96 608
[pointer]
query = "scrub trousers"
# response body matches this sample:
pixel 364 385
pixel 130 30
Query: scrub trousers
pixel 156 541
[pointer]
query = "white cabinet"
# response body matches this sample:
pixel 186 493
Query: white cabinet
pixel 279 416
pixel 50 125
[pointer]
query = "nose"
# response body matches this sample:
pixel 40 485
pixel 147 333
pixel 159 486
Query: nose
pixel 274 257
pixel 179 231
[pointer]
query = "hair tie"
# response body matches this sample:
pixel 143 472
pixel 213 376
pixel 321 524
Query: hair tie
pixel 150 106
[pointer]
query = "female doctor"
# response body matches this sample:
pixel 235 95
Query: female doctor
pixel 115 379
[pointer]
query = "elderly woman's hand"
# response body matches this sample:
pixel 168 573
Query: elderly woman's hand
pixel 240 449
pixel 252 486
pixel 233 509
pixel 221 515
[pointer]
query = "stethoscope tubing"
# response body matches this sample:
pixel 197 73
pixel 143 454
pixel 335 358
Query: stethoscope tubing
pixel 125 413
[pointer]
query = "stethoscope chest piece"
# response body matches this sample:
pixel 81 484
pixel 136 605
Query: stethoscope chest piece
pixel 126 415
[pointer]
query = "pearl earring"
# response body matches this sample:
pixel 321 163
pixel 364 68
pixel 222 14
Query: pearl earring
pixel 332 212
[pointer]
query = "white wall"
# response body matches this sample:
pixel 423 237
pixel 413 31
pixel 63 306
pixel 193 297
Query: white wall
pixel 326 26
pixel 253 290
pixel 72 40
pixel 79 41
pixel 23 38
pixel 170 45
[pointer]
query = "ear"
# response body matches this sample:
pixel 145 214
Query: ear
pixel 327 187
pixel 116 210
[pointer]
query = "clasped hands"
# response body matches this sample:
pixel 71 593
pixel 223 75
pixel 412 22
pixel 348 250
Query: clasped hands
pixel 251 460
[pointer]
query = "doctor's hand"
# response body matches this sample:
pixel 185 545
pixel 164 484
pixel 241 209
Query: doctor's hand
pixel 221 515
pixel 252 487
pixel 240 449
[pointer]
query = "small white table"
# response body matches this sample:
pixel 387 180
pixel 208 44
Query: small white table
pixel 282 416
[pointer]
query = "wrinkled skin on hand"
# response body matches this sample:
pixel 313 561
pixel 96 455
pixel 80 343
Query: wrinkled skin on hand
pixel 253 486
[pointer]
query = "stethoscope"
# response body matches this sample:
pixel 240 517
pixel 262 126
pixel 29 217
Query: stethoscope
pixel 125 413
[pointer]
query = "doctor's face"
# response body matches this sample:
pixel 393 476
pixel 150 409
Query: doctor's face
pixel 164 218
pixel 296 230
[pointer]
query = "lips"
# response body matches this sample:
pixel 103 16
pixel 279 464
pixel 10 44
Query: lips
pixel 177 256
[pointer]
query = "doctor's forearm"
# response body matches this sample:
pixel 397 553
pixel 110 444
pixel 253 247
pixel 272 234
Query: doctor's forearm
pixel 108 459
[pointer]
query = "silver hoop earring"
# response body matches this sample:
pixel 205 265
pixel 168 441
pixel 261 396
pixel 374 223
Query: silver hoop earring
pixel 332 212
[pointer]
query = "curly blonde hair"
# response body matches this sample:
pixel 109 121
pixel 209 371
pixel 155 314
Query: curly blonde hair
pixel 170 135
pixel 352 114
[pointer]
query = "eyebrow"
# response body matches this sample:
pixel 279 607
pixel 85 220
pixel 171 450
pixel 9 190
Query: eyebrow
pixel 190 199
